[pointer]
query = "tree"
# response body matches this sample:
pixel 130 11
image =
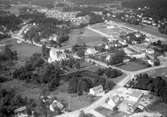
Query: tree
pixel 84 85
pixel 112 73
pixel 45 51
pixel 53 84
pixel 8 104
pixel 109 85
pixel 117 58
pixel 100 81
pixel 7 54
pixel 83 114
pixel 34 61
pixel 73 85
pixel 77 65
pixel 100 71
pixel 79 49
pixel 48 72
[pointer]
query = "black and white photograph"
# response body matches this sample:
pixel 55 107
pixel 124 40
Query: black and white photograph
pixel 83 58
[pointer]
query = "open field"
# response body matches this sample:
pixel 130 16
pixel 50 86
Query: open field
pixel 91 38
pixel 74 101
pixel 132 66
pixel 114 31
pixel 83 35
pixel 24 50
pixel 74 36
pixel 24 89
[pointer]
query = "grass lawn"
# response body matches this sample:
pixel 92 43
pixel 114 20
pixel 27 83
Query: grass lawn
pixel 132 66
pixel 74 36
pixel 83 35
pixel 159 107
pixel 24 89
pixel 91 38
pixel 24 50
pixel 75 102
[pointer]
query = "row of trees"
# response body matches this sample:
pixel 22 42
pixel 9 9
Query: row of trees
pixel 79 49
pixel 109 72
pixel 71 63
pixel 163 28
pixel 158 86
pixel 82 81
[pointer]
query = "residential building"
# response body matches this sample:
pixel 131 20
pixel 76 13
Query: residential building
pixel 97 91
pixel 57 55
pixel 90 51
pixel 21 112
pixel 55 104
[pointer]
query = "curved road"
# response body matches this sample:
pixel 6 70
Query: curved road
pixel 130 76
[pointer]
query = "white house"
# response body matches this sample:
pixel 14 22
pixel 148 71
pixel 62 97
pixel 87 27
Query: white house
pixel 57 55
pixel 90 51
pixel 53 37
pixel 21 112
pixel 55 104
pixel 150 51
pixel 97 91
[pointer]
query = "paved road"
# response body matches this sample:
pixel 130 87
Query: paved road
pixel 101 101
pixel 129 77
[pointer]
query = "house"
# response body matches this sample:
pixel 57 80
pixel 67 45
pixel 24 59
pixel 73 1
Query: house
pixel 150 51
pixel 21 112
pixel 90 51
pixel 97 91
pixel 138 55
pixel 57 55
pixel 56 104
pixel 53 37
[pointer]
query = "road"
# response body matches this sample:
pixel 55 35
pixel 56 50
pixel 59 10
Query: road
pixel 129 77
pixel 91 108
pixel 101 101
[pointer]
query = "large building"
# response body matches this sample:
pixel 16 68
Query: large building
pixel 57 55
